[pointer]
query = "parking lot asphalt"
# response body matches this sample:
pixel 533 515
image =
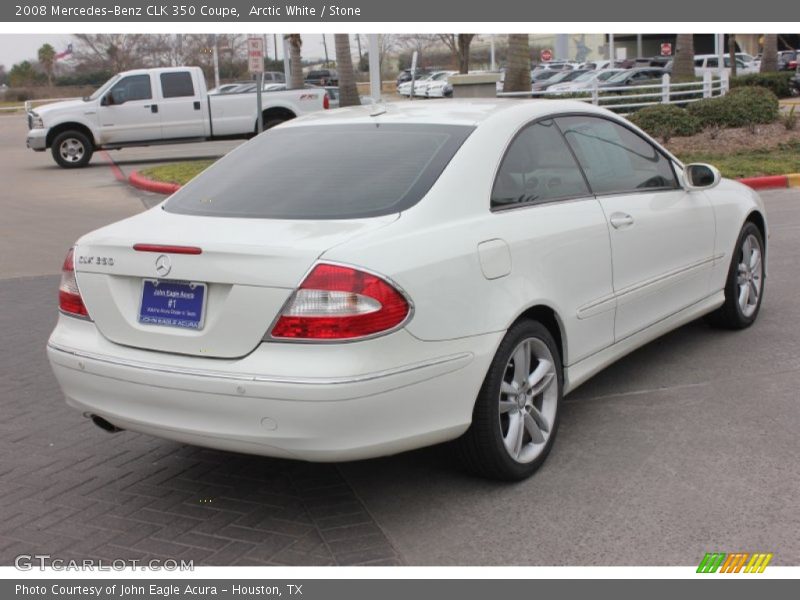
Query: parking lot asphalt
pixel 686 446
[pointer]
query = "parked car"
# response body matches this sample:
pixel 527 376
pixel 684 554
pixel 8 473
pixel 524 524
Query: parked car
pixel 787 60
pixel 541 85
pixel 405 75
pixel 437 86
pixel 156 106
pixel 636 76
pixel 404 89
pixel 709 63
pixel 322 77
pixel 584 82
pixel 227 88
pixel 362 312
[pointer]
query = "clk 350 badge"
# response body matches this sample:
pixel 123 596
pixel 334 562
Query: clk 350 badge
pixel 100 261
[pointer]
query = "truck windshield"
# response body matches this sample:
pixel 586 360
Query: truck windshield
pixel 103 88
pixel 324 172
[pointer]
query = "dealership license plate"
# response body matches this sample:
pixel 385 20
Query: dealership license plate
pixel 173 303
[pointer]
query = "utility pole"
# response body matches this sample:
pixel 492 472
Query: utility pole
pixel 325 46
pixel 358 41
pixel 215 51
pixel 493 65
pixel 275 42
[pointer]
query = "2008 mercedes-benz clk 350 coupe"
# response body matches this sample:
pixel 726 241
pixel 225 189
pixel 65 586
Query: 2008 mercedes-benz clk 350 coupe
pixel 376 279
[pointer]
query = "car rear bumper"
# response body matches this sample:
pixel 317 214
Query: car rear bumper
pixel 37 140
pixel 421 394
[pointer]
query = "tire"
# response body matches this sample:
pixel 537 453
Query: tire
pixel 72 149
pixel 744 287
pixel 492 447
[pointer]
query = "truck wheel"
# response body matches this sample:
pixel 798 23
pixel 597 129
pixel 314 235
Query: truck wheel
pixel 72 149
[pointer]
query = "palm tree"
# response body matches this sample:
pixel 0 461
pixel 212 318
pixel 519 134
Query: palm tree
pixel 683 65
pixel 518 73
pixel 47 58
pixel 732 53
pixel 769 60
pixel 348 91
pixel 296 80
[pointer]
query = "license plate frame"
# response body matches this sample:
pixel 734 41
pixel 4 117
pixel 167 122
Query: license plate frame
pixel 182 315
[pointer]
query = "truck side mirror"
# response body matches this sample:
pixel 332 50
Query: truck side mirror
pixel 106 100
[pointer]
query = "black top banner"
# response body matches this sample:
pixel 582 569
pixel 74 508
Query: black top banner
pixel 373 11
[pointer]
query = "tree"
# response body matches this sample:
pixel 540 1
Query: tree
pixel 3 75
pixel 23 74
pixel 769 60
pixel 683 65
pixel 459 48
pixel 732 53
pixel 296 81
pixel 518 73
pixel 47 59
pixel 348 91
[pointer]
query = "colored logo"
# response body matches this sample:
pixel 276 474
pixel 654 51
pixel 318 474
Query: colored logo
pixel 737 562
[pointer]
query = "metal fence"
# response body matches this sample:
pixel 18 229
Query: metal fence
pixel 632 97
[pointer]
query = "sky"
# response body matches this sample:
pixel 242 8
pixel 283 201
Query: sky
pixel 18 47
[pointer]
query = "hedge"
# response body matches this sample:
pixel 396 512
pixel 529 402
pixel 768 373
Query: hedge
pixel 739 107
pixel 778 83
pixel 666 121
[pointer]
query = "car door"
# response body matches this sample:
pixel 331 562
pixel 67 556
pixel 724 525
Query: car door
pixel 557 236
pixel 662 237
pixel 181 106
pixel 128 113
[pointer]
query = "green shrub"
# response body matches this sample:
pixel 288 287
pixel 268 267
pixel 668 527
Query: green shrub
pixel 777 83
pixel 666 121
pixel 738 108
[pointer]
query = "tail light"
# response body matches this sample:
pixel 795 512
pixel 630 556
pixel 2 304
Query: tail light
pixel 326 102
pixel 337 303
pixel 69 296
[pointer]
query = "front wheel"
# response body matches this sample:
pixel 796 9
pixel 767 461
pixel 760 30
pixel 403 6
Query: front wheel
pixel 744 287
pixel 72 149
pixel 515 418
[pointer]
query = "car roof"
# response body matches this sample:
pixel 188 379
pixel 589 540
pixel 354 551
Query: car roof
pixel 471 112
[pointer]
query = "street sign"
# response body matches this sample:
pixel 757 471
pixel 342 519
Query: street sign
pixel 546 55
pixel 666 49
pixel 255 54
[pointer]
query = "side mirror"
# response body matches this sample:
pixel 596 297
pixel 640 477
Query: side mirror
pixel 700 176
pixel 106 100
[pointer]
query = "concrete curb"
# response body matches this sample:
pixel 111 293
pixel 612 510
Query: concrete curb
pixel 768 182
pixel 138 180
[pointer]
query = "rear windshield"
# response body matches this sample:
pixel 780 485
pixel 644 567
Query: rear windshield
pixel 324 172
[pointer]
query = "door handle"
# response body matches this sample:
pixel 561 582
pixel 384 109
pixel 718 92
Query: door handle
pixel 620 220
pixel 197 105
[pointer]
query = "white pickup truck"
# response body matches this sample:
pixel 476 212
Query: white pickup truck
pixel 157 106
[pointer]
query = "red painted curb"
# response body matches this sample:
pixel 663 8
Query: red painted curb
pixel 159 187
pixel 766 182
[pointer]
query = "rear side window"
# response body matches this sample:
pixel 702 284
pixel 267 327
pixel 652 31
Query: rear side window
pixel 177 85
pixel 615 159
pixel 538 167
pixel 324 172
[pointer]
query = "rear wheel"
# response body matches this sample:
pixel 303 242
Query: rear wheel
pixel 515 418
pixel 744 287
pixel 72 149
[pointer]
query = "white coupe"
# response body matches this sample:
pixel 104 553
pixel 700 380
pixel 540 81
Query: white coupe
pixel 370 280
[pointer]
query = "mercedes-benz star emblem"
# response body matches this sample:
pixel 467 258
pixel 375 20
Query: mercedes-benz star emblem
pixel 163 265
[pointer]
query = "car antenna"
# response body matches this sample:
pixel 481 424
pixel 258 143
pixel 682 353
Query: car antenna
pixel 378 108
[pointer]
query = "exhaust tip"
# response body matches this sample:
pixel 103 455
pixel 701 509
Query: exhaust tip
pixel 104 425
